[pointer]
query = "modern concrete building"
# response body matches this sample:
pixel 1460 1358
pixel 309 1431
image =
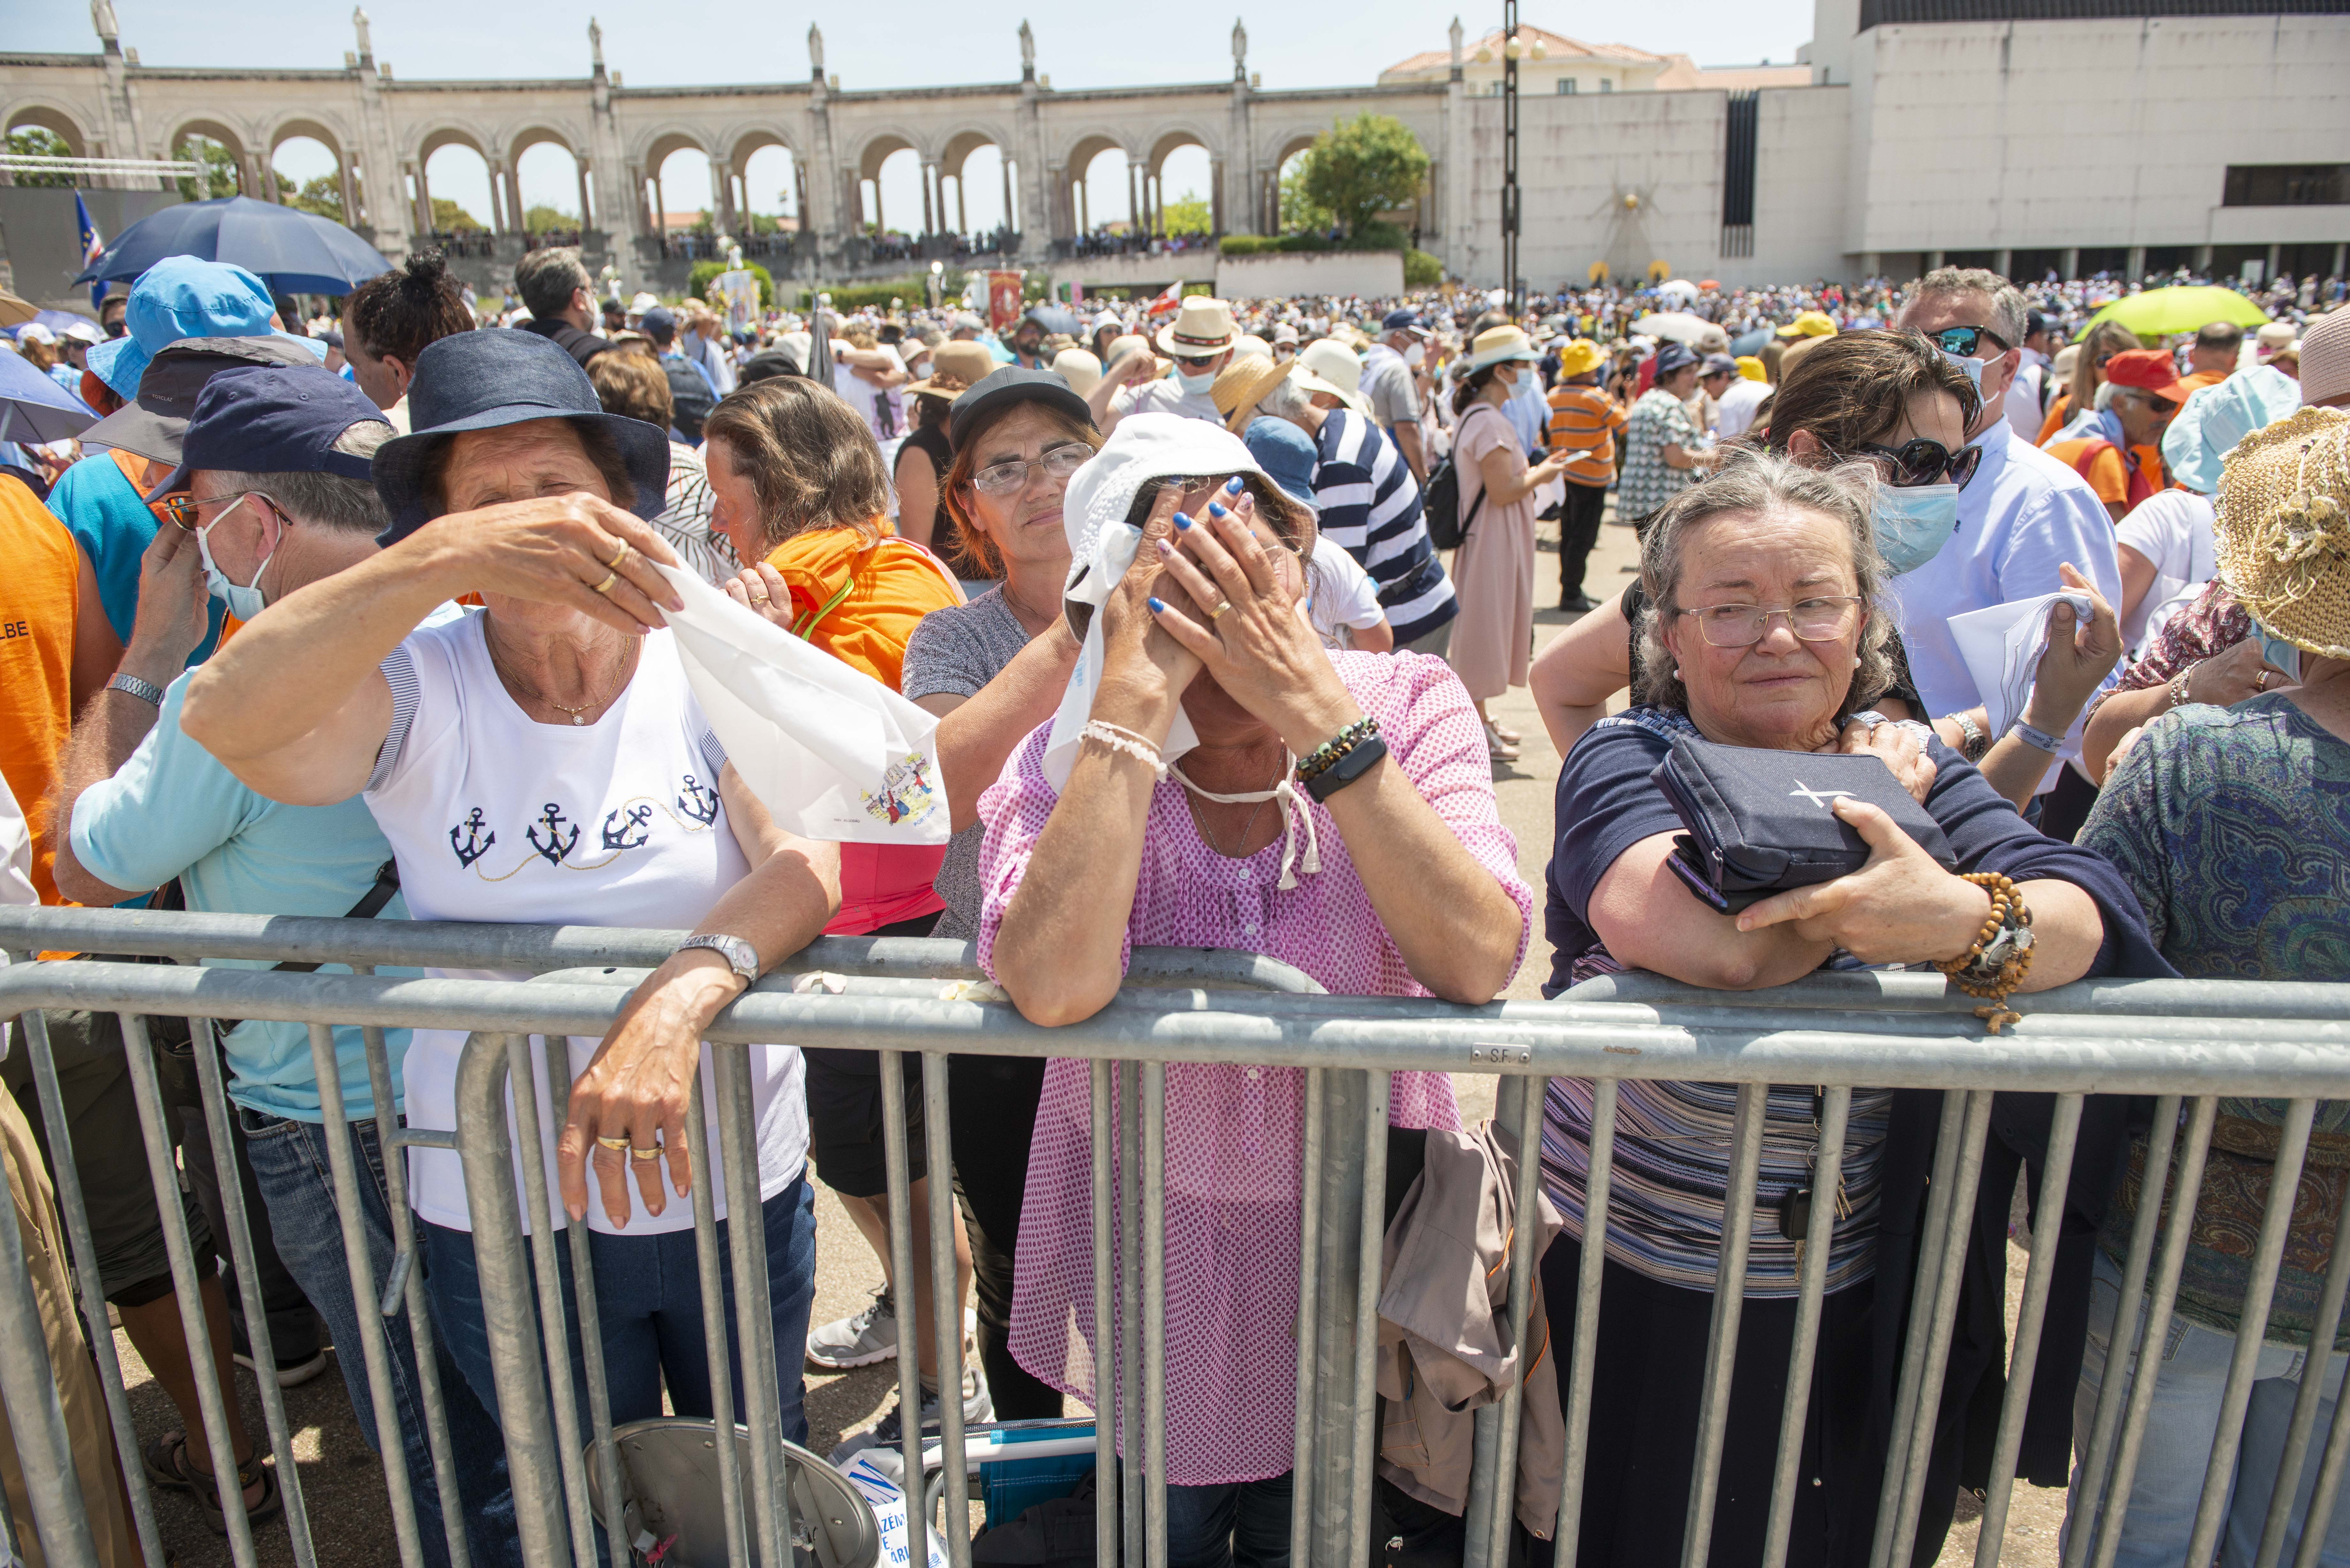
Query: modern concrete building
pixel 2035 135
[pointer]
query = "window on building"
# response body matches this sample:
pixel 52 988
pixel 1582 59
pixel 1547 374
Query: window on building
pixel 1566 84
pixel 1606 85
pixel 2286 185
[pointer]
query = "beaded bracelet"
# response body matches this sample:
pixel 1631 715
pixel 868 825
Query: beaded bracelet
pixel 1321 757
pixel 1119 738
pixel 2002 954
pixel 2180 683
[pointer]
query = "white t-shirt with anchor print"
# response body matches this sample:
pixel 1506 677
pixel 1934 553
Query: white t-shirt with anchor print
pixel 494 817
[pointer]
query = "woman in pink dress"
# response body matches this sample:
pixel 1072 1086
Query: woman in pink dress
pixel 1203 806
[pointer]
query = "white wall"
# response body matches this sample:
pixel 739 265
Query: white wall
pixel 1799 188
pixel 1368 275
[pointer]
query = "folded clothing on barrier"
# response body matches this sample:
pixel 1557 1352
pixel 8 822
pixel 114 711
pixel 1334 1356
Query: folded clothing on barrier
pixel 1761 822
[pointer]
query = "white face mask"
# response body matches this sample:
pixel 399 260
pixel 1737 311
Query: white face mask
pixel 1416 356
pixel 244 602
pixel 1196 386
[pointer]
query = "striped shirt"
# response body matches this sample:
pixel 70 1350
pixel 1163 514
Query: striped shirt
pixel 1585 421
pixel 1370 508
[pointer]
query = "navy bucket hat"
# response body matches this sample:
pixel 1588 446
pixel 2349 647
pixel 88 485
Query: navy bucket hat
pixel 482 381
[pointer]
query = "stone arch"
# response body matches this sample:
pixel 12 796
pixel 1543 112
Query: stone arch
pixel 531 138
pixel 48 117
pixel 317 130
pixel 230 139
pixel 1167 140
pixel 955 163
pixel 437 139
pixel 742 144
pixel 741 199
pixel 433 141
pixel 655 149
pixel 878 148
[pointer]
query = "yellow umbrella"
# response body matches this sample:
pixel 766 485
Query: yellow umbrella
pixel 2182 308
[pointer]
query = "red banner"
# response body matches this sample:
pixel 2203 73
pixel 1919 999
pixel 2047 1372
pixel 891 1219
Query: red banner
pixel 1003 298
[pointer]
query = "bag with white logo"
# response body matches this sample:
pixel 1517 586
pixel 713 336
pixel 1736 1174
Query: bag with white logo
pixel 1761 822
pixel 830 752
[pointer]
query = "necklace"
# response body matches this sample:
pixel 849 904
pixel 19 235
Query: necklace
pixel 1260 798
pixel 1235 852
pixel 578 714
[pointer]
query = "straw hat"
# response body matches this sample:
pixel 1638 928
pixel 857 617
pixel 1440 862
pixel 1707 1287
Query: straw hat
pixel 1242 385
pixel 1202 329
pixel 1079 368
pixel 955 369
pixel 2325 357
pixel 2283 529
pixel 1249 346
pixel 1335 363
pixel 1497 345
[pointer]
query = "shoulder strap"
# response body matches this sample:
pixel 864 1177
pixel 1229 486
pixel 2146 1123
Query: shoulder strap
pixel 370 905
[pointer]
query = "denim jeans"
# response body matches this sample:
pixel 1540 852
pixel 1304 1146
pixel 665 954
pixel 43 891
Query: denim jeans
pixel 2180 1427
pixel 649 1310
pixel 290 1164
pixel 1242 1525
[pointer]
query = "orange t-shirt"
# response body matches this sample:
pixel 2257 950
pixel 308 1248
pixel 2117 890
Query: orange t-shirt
pixel 37 612
pixel 860 598
pixel 2106 473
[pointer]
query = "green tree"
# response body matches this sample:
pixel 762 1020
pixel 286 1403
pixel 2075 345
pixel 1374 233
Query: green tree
pixel 542 219
pixel 1300 215
pixel 449 218
pixel 1361 169
pixel 32 142
pixel 1189 214
pixel 323 196
pixel 219 178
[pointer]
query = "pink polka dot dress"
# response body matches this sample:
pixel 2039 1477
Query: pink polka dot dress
pixel 1232 1132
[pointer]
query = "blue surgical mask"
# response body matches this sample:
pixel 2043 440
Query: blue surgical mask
pixel 242 602
pixel 1913 522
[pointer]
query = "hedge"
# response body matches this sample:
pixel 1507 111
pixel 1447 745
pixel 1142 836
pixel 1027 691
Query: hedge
pixel 704 271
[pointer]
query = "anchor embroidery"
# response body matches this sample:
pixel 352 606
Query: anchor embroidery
pixel 699 804
pixel 616 832
pixel 475 845
pixel 557 846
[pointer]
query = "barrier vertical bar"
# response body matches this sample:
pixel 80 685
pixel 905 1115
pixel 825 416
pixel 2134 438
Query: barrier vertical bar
pixel 1810 1290
pixel 754 1311
pixel 2314 1371
pixel 1105 1326
pixel 1153 1165
pixel 509 1318
pixel 1135 1471
pixel 2219 1476
pixel 2323 1495
pixel 343 1169
pixel 521 1073
pixel 228 1168
pixel 1526 1220
pixel 898 1172
pixel 163 1173
pixel 1343 1193
pixel 1485 1427
pixel 703 1152
pixel 946 1303
pixel 578 1247
pixel 1929 1272
pixel 2056 1183
pixel 1729 1307
pixel 1599 1173
pixel 2162 1134
pixel 1309 1318
pixel 1367 1249
pixel 65 1177
pixel 1949 1282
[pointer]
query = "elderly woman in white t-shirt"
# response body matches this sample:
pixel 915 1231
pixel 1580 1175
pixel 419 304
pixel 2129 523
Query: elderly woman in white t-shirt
pixel 546 761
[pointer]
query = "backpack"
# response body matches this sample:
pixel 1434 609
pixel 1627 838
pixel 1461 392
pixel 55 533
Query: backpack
pixel 1440 503
pixel 691 399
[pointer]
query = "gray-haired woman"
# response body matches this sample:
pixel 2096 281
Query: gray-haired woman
pixel 1766 628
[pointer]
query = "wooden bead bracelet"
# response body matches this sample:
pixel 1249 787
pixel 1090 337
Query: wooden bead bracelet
pixel 1993 968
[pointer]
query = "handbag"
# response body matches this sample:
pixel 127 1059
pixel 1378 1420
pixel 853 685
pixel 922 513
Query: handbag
pixel 1761 822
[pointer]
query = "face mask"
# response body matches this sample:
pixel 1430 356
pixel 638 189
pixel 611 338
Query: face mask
pixel 1914 523
pixel 1973 368
pixel 1507 377
pixel 1416 356
pixel 242 602
pixel 1197 385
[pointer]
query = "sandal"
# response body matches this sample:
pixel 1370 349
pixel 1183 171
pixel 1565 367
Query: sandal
pixel 165 1460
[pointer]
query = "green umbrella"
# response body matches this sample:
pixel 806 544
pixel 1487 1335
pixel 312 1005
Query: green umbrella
pixel 2182 308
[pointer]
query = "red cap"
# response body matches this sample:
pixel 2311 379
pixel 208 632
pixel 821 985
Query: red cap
pixel 2147 370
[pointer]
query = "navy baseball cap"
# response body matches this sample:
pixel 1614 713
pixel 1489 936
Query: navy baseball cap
pixel 659 323
pixel 1405 320
pixel 272 419
pixel 1672 357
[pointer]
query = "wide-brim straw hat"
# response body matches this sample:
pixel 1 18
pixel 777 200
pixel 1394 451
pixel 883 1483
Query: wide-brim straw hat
pixel 2283 524
pixel 1499 346
pixel 955 369
pixel 1242 385
pixel 1202 329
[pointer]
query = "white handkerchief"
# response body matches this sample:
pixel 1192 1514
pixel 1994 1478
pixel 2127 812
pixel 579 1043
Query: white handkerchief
pixel 832 752
pixel 1114 552
pixel 2002 644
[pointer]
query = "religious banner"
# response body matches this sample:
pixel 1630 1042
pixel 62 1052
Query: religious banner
pixel 736 293
pixel 1003 298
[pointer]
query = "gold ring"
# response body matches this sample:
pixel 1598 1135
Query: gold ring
pixel 2260 681
pixel 757 595
pixel 652 1153
pixel 606 586
pixel 613 1142
pixel 615 561
pixel 1222 605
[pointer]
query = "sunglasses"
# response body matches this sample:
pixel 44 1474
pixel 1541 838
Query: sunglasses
pixel 1925 460
pixel 179 509
pixel 1195 366
pixel 1964 340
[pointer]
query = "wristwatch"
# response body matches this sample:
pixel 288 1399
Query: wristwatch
pixel 132 686
pixel 740 956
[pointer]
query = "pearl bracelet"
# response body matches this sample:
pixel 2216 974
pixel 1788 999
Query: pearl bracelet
pixel 1119 738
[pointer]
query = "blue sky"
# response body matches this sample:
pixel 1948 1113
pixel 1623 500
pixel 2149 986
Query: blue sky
pixel 914 43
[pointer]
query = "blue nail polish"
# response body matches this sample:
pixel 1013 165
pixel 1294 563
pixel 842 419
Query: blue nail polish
pixel 1232 485
pixel 1158 606
pixel 1216 509
pixel 1181 521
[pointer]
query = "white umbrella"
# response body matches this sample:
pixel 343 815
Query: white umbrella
pixel 1680 288
pixel 1678 325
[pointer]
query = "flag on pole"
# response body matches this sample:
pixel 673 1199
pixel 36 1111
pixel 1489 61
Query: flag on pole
pixel 93 246
pixel 1170 301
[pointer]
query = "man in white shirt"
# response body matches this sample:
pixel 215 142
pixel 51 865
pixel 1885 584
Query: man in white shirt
pixel 1734 410
pixel 1200 340
pixel 2022 515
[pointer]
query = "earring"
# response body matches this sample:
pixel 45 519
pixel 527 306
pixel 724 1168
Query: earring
pixel 1677 672
pixel 1856 662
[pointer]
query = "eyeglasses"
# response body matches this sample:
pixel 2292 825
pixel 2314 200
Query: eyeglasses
pixel 1964 340
pixel 1005 478
pixel 1823 619
pixel 179 509
pixel 1925 460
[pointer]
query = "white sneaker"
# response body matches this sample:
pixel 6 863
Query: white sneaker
pixel 861 1340
pixel 888 1432
pixel 292 1376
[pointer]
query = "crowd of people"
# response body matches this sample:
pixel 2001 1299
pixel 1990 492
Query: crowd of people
pixel 1212 602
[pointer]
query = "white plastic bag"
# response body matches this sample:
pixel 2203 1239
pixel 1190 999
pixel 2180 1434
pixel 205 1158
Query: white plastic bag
pixel 831 752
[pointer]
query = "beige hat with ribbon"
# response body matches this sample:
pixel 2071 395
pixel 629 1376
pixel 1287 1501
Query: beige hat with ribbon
pixel 1202 329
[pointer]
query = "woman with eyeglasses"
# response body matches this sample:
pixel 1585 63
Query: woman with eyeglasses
pixel 1767 624
pixel 1895 402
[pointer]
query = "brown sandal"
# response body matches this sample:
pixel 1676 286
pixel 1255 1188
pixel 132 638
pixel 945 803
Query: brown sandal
pixel 165 1460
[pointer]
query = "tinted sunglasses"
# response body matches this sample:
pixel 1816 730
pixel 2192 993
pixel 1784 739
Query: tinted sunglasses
pixel 178 509
pixel 1964 340
pixel 1925 460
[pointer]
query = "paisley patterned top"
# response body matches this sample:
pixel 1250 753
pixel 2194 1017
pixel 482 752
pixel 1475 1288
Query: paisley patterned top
pixel 2233 826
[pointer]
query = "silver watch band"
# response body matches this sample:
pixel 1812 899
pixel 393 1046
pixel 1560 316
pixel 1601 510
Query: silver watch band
pixel 740 955
pixel 145 690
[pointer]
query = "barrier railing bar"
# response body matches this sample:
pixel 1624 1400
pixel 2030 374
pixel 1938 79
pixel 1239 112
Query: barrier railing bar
pixel 2316 1365
pixel 701 1153
pixel 898 1172
pixel 1927 1273
pixel 1153 1163
pixel 755 1314
pixel 1598 1175
pixel 65 1177
pixel 946 1305
pixel 1368 1247
pixel 1811 1291
pixel 2055 1184
pixel 1877 990
pixel 1527 1216
pixel 2323 1496
pixel 1133 1431
pixel 1309 1317
pixel 2219 1476
pixel 161 1171
pixel 2162 1136
pixel 1729 1304
pixel 578 1249
pixel 2155 1332
pixel 509 1320
pixel 522 1078
pixel 1106 1533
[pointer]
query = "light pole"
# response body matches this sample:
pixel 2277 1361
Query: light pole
pixel 1511 49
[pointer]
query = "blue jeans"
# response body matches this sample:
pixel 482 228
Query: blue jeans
pixel 649 1310
pixel 289 1164
pixel 1242 1525
pixel 2179 1427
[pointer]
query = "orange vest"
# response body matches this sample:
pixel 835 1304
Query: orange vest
pixel 37 612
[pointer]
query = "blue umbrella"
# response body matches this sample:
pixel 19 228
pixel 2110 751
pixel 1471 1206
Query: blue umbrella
pixel 34 409
pixel 292 251
pixel 1750 342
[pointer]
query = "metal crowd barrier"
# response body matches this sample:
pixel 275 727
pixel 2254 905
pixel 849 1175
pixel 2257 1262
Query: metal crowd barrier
pixel 2184 1042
